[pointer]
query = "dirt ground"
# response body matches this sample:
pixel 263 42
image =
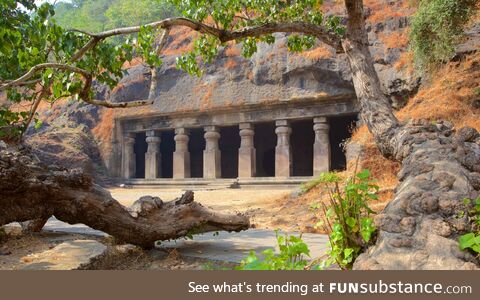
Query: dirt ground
pixel 267 208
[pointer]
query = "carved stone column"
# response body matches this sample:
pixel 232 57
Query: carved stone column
pixel 321 147
pixel 283 153
pixel 153 156
pixel 211 155
pixel 129 165
pixel 246 153
pixel 181 156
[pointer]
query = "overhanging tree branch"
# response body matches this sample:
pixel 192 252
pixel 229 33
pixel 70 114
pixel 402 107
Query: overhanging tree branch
pixel 320 32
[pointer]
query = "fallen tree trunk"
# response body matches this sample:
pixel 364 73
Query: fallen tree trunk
pixel 30 191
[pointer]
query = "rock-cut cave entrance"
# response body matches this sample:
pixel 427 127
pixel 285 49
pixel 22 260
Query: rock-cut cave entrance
pixel 167 147
pixel 301 141
pixel 140 148
pixel 229 143
pixel 265 141
pixel 196 145
pixel 341 129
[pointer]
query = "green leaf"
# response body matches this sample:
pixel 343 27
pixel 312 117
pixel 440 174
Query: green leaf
pixel 351 222
pixel 466 241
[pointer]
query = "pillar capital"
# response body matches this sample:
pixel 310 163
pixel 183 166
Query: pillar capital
pixel 281 123
pixel 245 126
pixel 153 139
pixel 129 139
pixel 181 131
pixel 211 128
pixel 320 120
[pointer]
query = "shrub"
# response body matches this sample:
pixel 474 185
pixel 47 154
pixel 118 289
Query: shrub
pixel 437 27
pixel 347 218
pixel 471 240
pixel 292 256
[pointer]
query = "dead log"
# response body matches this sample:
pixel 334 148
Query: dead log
pixel 31 191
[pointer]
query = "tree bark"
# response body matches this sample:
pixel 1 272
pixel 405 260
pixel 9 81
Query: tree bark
pixel 419 228
pixel 31 191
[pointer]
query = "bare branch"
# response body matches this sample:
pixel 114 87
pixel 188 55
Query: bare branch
pixel 153 70
pixel 40 67
pixel 323 34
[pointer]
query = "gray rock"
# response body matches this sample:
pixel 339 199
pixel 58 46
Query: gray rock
pixel 69 255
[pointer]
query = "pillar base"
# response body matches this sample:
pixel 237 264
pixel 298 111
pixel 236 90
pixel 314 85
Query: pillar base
pixel 211 164
pixel 282 161
pixel 246 163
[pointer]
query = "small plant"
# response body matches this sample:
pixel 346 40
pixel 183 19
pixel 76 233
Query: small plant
pixel 347 218
pixel 307 186
pixel 471 240
pixel 292 256
pixel 476 91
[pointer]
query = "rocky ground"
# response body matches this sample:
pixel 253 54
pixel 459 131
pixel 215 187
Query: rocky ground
pixel 66 251
pixel 80 248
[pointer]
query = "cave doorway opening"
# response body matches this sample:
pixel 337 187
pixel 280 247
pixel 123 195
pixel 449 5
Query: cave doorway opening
pixel 196 145
pixel 140 148
pixel 265 141
pixel 341 129
pixel 229 144
pixel 167 147
pixel 301 141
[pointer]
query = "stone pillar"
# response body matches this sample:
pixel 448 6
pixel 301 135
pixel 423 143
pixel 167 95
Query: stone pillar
pixel 181 156
pixel 153 156
pixel 129 165
pixel 211 155
pixel 246 153
pixel 321 146
pixel 283 153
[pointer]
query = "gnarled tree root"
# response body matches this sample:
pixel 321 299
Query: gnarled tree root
pixel 30 191
pixel 420 227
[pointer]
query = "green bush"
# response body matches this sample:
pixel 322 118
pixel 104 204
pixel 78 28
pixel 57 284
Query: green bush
pixel 347 217
pixel 471 240
pixel 292 256
pixel 437 26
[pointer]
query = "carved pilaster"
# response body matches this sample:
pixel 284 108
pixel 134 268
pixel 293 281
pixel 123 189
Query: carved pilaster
pixel 129 165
